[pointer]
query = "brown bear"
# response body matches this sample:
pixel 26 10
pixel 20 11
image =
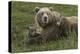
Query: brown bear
pixel 68 25
pixel 46 15
pixel 33 34
pixel 53 24
pixel 47 20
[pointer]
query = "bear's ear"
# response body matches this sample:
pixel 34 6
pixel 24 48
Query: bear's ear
pixel 51 8
pixel 37 9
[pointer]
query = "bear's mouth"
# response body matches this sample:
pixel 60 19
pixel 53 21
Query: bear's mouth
pixel 45 19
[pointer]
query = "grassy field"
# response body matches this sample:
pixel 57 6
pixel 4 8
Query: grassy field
pixel 23 14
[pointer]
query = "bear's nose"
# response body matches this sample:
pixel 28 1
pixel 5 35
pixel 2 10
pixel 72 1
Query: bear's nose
pixel 45 18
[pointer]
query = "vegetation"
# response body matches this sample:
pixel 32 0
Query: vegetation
pixel 23 14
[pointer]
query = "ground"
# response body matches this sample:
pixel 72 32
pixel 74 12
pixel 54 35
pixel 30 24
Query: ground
pixel 23 14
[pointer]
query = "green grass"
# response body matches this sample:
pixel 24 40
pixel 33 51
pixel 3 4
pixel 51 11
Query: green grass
pixel 22 14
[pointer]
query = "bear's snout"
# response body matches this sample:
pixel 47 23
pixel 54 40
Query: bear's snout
pixel 45 19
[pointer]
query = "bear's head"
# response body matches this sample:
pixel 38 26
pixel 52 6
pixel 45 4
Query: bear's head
pixel 44 16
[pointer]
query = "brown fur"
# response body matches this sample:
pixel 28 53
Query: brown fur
pixel 50 30
pixel 55 25
pixel 68 25
pixel 33 35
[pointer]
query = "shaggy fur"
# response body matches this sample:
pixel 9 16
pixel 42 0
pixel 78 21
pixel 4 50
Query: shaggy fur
pixel 47 20
pixel 68 25
pixel 49 13
pixel 33 35
pixel 54 25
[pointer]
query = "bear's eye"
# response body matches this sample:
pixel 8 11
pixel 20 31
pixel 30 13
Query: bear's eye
pixel 47 13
